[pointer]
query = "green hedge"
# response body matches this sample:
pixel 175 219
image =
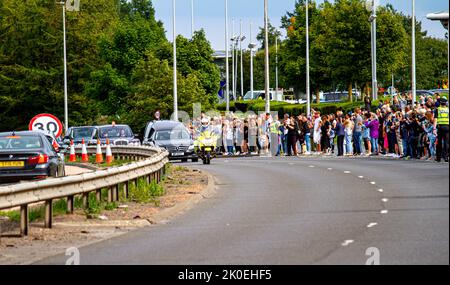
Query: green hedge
pixel 296 109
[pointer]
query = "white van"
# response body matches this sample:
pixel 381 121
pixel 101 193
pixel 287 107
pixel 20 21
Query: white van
pixel 260 95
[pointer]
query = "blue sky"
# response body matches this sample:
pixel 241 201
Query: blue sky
pixel 210 15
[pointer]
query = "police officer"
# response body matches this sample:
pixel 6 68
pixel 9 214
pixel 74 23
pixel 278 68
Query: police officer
pixel 441 124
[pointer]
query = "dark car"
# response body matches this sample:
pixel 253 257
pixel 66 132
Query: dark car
pixel 425 93
pixel 77 134
pixel 117 135
pixel 28 155
pixel 172 136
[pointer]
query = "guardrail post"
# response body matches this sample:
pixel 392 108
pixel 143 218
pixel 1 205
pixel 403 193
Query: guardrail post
pixel 152 175
pixel 115 193
pixel 126 188
pixel 85 200
pixel 98 195
pixel 110 194
pixel 24 220
pixel 48 214
pixel 70 206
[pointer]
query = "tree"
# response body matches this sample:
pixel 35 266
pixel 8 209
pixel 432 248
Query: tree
pixel 273 34
pixel 31 67
pixel 153 90
pixel 194 56
pixel 340 45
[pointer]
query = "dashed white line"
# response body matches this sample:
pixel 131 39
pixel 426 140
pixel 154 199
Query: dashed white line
pixel 371 225
pixel 384 212
pixel 347 172
pixel 347 242
pixel 380 190
pixel 361 177
pixel 311 166
pixel 385 200
pixel 373 182
pixel 330 168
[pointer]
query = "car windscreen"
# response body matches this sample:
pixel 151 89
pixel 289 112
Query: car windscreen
pixel 83 133
pixel 248 95
pixel 175 134
pixel 20 142
pixel 115 132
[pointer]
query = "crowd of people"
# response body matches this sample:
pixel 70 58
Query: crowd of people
pixel 394 128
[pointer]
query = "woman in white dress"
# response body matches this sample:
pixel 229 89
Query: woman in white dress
pixel 317 131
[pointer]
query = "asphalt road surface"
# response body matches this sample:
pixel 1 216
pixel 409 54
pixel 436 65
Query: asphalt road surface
pixel 300 211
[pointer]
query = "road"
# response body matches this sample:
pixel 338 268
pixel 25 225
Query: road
pixel 300 211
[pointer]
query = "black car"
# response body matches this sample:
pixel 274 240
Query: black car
pixel 28 155
pixel 77 134
pixel 117 135
pixel 172 136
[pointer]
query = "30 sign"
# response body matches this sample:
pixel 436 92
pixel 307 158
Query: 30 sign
pixel 46 122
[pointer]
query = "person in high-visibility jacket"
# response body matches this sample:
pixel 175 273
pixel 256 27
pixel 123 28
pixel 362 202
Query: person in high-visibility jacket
pixel 441 125
pixel 274 129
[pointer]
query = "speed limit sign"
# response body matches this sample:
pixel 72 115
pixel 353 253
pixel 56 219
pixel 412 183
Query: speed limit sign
pixel 46 122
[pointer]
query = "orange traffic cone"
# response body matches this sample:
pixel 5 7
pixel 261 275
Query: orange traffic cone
pixel 109 156
pixel 99 155
pixel 84 154
pixel 73 156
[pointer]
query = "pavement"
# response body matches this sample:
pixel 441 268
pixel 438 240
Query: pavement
pixel 293 210
pixel 75 170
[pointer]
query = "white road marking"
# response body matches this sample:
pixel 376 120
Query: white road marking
pixel 290 163
pixel 373 182
pixel 347 172
pixel 384 212
pixel 371 225
pixel 330 168
pixel 380 190
pixel 385 200
pixel 361 176
pixel 347 242
pixel 311 166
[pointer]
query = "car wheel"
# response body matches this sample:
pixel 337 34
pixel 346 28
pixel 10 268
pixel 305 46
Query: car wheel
pixel 195 160
pixel 184 160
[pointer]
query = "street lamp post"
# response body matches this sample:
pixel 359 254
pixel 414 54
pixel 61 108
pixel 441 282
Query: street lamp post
pixel 233 38
pixel 192 18
pixel 276 65
pixel 236 54
pixel 242 38
pixel 227 71
pixel 266 37
pixel 66 96
pixel 308 91
pixel 372 6
pixel 175 87
pixel 251 46
pixel 413 45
